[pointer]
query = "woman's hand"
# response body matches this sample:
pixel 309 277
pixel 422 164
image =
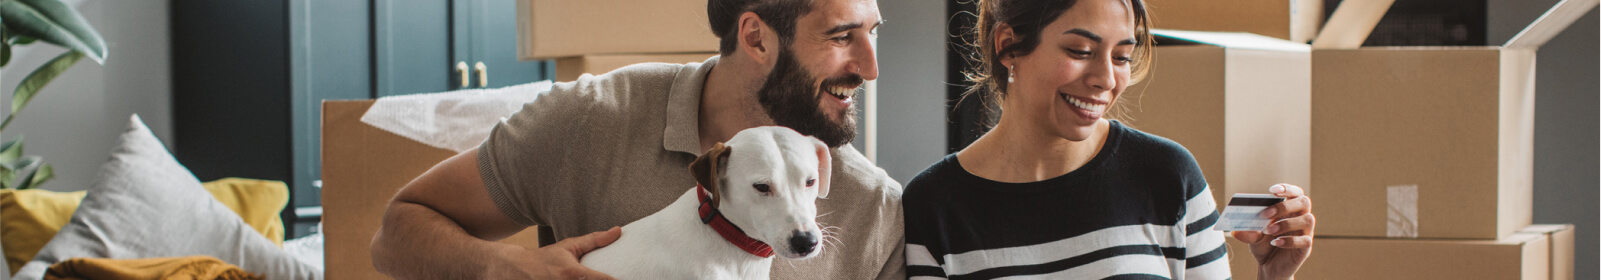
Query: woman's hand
pixel 1284 245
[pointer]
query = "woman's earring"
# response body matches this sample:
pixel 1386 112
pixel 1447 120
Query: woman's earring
pixel 1011 75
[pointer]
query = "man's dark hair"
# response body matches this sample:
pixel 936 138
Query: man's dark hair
pixel 780 14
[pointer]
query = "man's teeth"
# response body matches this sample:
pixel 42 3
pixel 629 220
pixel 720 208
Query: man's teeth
pixel 841 92
pixel 1084 105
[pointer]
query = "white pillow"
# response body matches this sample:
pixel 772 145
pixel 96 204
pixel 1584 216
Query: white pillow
pixel 145 205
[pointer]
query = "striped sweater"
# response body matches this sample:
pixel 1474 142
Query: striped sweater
pixel 1140 209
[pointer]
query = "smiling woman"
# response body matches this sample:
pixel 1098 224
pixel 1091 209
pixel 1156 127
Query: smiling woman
pixel 1059 190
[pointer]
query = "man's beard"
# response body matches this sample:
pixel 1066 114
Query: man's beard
pixel 791 100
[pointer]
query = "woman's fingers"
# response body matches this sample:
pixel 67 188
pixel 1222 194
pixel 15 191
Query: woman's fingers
pixel 1293 242
pixel 1303 223
pixel 1249 237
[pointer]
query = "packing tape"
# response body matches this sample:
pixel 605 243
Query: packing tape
pixel 1403 211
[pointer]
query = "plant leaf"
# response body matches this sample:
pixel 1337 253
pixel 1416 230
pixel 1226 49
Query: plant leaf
pixel 37 177
pixel 38 79
pixel 10 151
pixel 25 163
pixel 54 22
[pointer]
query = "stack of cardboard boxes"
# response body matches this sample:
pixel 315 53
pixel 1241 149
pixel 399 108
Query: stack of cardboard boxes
pixel 1419 158
pixel 598 36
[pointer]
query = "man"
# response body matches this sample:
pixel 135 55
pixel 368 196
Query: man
pixel 606 150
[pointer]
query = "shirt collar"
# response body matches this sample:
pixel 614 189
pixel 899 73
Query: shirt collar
pixel 682 132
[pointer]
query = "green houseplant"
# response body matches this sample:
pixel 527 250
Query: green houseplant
pixel 24 22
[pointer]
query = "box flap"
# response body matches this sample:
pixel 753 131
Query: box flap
pixel 1351 24
pixel 1545 228
pixel 1232 40
pixel 1551 23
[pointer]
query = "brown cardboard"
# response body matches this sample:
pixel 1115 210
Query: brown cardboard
pixel 569 68
pixel 560 28
pixel 1519 256
pixel 1453 123
pixel 1294 20
pixel 1562 239
pixel 1239 102
pixel 363 167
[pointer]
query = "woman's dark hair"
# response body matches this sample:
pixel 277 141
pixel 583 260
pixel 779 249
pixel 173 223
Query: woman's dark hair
pixel 779 14
pixel 1028 18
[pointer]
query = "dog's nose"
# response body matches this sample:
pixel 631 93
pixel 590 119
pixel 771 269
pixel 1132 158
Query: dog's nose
pixel 802 242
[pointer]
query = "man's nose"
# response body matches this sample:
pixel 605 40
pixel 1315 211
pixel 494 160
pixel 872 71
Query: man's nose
pixel 864 60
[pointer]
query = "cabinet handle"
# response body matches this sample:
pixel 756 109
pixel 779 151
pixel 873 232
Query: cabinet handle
pixel 483 74
pixel 461 67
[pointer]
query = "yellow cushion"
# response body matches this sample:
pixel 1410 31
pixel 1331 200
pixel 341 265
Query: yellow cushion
pixel 29 218
pixel 258 202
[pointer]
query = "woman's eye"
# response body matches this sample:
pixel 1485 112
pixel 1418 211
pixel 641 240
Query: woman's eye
pixel 762 187
pixel 1124 60
pixel 1078 52
pixel 810 182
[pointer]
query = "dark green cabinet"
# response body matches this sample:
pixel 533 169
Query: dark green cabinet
pixel 250 76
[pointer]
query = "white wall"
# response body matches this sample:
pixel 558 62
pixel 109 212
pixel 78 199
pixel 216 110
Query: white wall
pixel 911 86
pixel 75 120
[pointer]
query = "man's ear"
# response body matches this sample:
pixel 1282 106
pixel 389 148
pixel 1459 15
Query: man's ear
pixel 825 168
pixel 755 38
pixel 707 169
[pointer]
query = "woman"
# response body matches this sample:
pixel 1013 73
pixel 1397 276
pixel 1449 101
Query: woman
pixel 1055 190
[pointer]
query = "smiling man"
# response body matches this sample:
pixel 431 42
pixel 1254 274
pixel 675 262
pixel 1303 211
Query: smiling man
pixel 606 150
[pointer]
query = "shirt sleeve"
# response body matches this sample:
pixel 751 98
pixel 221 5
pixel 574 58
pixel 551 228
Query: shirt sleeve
pixel 515 162
pixel 1205 254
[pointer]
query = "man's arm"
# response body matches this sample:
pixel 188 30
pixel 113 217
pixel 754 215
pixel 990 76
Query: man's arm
pixel 444 225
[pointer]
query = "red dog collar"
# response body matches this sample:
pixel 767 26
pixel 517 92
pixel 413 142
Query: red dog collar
pixel 730 232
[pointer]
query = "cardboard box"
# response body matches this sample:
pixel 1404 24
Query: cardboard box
pixel 1294 20
pixel 560 28
pixel 1519 256
pixel 569 68
pixel 1562 238
pixel 1425 142
pixel 363 167
pixel 1239 102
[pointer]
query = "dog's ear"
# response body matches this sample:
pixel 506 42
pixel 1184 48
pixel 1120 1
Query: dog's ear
pixel 825 168
pixel 706 169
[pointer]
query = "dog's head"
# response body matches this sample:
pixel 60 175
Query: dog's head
pixel 766 181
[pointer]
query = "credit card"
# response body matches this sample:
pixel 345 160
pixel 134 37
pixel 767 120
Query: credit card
pixel 1244 212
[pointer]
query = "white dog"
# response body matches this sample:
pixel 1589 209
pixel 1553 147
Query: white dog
pixel 759 189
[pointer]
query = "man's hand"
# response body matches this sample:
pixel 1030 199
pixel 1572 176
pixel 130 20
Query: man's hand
pixel 557 261
pixel 1284 245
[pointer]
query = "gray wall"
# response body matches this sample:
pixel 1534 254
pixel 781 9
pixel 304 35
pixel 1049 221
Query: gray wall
pixel 911 86
pixel 1566 128
pixel 75 120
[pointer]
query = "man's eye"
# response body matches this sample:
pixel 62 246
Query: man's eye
pixel 761 187
pixel 841 39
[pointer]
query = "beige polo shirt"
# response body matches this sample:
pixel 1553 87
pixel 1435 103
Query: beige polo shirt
pixel 606 150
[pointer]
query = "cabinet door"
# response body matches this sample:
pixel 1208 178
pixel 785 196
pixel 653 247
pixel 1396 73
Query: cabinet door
pixel 492 39
pixel 412 40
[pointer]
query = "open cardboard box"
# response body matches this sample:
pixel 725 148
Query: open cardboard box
pixel 1239 102
pixel 549 29
pixel 363 167
pixel 569 68
pixel 1424 142
pixel 1518 256
pixel 1294 20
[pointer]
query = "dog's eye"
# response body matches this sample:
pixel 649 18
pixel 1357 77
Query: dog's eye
pixel 810 182
pixel 762 187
